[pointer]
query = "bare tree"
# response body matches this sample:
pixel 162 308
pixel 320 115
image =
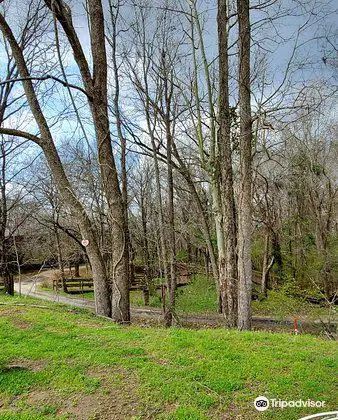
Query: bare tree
pixel 95 88
pixel 245 145
pixel 228 262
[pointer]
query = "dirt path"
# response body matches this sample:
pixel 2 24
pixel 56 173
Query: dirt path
pixel 31 287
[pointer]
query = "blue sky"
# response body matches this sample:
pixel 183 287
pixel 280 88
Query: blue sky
pixel 273 46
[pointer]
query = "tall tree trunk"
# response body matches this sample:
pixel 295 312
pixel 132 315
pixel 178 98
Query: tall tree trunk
pixel 162 248
pixel 171 235
pixel 264 280
pixel 218 218
pixel 245 194
pixel 228 262
pixel 266 264
pixel 119 280
pixel 277 258
pixel 146 255
pixel 5 271
pixel 168 317
pixel 114 12
pixel 60 260
pixel 77 269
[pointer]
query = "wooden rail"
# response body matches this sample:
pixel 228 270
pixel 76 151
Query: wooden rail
pixel 139 281
pixel 76 284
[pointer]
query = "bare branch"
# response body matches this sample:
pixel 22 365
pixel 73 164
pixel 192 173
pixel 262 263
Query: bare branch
pixel 19 133
pixel 47 77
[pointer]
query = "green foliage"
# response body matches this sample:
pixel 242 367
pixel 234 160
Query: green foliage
pixel 292 289
pixel 181 255
pixel 285 304
pixel 302 259
pixel 257 252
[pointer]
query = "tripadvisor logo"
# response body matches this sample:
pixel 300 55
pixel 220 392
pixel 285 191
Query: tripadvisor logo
pixel 261 403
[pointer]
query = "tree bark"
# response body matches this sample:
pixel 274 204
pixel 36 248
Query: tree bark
pixel 168 317
pixel 146 255
pixel 266 265
pixel 5 271
pixel 264 279
pixel 119 127
pixel 77 269
pixel 218 218
pixel 245 195
pixel 228 259
pixel 116 213
pixel 60 260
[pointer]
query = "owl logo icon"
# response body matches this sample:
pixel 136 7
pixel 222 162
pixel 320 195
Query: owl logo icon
pixel 261 403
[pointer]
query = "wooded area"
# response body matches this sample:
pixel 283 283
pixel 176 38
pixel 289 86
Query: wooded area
pixel 147 136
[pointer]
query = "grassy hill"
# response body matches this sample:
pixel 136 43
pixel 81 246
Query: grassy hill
pixel 62 363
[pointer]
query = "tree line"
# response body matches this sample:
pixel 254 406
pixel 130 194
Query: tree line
pixel 156 142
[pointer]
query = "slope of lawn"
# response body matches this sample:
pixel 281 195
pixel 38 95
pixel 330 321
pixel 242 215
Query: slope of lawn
pixel 63 363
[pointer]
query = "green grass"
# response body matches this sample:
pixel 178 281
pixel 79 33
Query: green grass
pixel 187 297
pixel 86 295
pixel 69 355
pixel 200 297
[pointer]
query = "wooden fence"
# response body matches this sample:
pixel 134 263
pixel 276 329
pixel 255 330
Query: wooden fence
pixel 139 281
